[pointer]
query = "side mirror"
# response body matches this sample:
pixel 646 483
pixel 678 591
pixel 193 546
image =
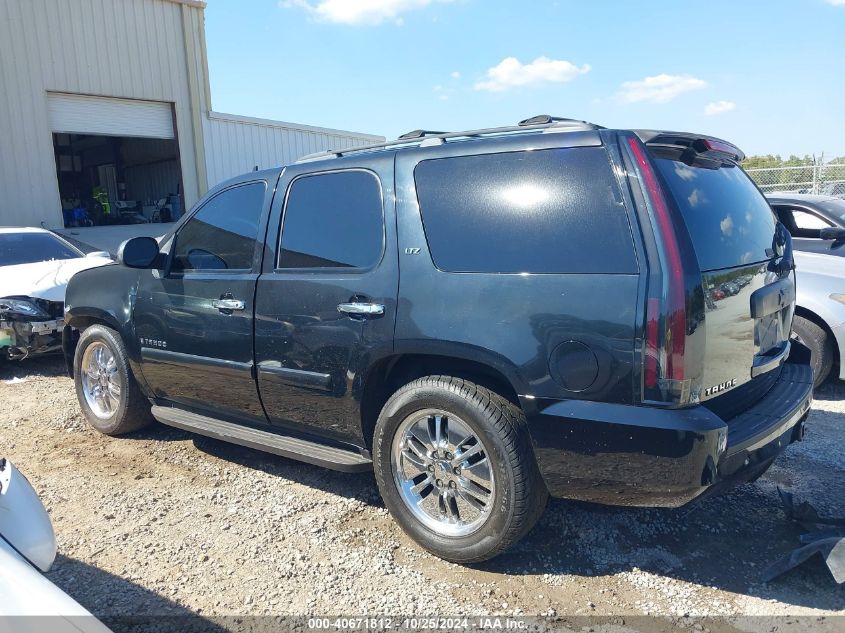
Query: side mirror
pixel 139 252
pixel 832 233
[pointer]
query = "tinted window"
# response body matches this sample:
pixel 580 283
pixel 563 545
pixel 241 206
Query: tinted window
pixel 549 211
pixel 28 248
pixel 729 220
pixel 333 220
pixel 222 234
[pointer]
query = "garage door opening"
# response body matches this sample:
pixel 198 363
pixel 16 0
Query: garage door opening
pixel 107 180
pixel 117 160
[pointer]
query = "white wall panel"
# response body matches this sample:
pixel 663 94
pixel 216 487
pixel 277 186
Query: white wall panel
pixel 133 49
pixel 236 144
pixel 151 50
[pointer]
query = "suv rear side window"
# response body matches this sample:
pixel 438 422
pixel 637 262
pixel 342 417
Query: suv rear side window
pixel 729 220
pixel 222 234
pixel 545 211
pixel 333 220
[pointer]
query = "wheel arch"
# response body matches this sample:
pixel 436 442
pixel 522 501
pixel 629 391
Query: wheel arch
pixel 808 314
pixel 76 322
pixel 388 374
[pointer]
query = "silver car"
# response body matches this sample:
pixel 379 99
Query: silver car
pixel 820 310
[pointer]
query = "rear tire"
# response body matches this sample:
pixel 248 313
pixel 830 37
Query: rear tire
pixel 108 393
pixel 820 344
pixel 453 515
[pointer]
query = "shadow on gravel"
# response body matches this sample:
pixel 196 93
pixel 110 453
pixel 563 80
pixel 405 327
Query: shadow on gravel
pixel 724 544
pixel 119 601
pixel 46 366
pixel 832 389
pixel 360 486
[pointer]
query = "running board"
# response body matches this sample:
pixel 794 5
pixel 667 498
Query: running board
pixel 284 445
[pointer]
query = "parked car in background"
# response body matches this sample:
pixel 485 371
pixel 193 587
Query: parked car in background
pixel 35 267
pixel 836 189
pixel 817 223
pixel 546 334
pixel 820 312
pixel 27 547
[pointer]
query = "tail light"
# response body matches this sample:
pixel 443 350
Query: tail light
pixel 666 314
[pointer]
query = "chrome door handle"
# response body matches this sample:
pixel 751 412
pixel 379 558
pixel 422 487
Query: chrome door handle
pixel 228 304
pixel 361 309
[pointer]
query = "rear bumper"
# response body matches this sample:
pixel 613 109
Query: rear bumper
pixel 642 456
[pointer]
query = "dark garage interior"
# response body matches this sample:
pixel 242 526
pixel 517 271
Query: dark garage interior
pixel 109 180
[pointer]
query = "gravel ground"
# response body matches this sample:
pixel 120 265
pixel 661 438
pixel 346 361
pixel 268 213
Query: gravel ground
pixel 164 522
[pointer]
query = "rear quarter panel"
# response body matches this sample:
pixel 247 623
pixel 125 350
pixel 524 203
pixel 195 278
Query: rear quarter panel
pixel 512 322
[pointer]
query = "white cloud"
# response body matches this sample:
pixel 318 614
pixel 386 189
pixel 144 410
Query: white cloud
pixel 659 88
pixel 837 3
pixel 456 75
pixel 358 11
pixel 511 73
pixel 720 107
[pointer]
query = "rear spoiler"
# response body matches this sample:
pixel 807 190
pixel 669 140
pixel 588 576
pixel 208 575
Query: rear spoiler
pixel 707 146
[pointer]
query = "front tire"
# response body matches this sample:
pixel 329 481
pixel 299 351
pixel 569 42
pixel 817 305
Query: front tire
pixel 454 465
pixel 107 391
pixel 820 344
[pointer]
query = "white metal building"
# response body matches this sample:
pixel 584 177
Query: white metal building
pixel 105 115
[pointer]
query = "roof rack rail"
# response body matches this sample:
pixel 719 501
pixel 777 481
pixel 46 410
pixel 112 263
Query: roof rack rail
pixel 419 138
pixel 414 134
pixel 547 119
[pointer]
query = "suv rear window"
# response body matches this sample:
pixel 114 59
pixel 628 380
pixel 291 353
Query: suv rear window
pixel 729 220
pixel 544 211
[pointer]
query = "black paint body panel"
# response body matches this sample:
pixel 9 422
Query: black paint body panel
pixel 291 364
pixel 645 456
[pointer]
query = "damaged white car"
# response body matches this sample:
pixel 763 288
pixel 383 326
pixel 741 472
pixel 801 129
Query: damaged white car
pixel 35 267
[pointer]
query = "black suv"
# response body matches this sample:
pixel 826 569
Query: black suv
pixel 483 318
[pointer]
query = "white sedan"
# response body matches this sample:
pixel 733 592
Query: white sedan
pixel 35 267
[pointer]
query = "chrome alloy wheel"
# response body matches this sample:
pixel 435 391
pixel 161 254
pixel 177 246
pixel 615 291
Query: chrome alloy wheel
pixel 443 472
pixel 101 382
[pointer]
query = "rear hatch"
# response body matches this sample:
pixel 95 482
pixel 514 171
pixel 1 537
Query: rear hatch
pixel 745 260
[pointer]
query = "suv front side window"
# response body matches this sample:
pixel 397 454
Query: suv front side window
pixel 333 220
pixel 222 234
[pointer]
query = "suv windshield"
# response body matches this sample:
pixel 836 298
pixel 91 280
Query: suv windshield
pixel 29 248
pixel 729 220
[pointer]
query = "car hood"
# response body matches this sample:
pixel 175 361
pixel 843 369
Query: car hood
pixel 44 280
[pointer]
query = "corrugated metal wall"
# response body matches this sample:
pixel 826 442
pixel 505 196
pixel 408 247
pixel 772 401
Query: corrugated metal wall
pixel 137 49
pixel 116 48
pixel 235 144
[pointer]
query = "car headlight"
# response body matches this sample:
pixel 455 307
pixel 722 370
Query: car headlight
pixel 21 307
pixel 838 296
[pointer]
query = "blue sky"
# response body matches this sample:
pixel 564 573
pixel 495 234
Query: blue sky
pixel 768 75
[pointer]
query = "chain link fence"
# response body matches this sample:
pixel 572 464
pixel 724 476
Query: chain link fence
pixel 824 178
